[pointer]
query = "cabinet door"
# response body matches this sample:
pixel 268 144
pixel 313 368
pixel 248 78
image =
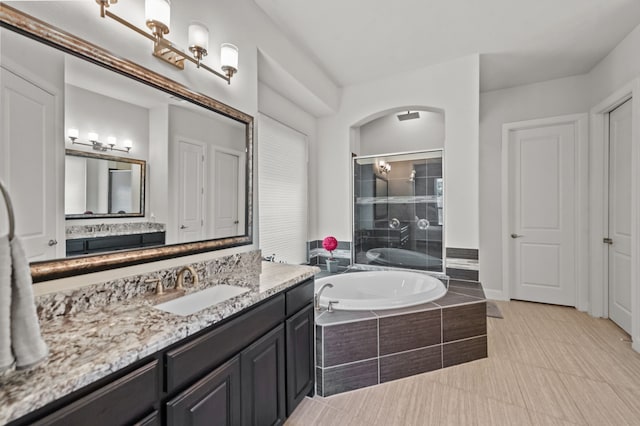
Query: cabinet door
pixel 112 404
pixel 263 384
pixel 212 401
pixel 300 377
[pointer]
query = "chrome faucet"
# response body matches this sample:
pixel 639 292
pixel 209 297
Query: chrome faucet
pixel 271 258
pixel 316 297
pixel 180 277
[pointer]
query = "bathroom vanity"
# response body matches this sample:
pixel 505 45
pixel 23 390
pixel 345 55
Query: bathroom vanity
pixel 248 360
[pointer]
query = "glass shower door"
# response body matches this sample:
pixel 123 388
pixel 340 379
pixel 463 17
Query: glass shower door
pixel 398 210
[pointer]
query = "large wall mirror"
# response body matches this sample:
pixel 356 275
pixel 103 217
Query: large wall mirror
pixel 110 164
pixel 103 186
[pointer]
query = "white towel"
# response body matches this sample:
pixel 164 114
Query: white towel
pixel 6 354
pixel 28 346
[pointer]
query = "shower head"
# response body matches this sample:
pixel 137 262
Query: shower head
pixel 408 116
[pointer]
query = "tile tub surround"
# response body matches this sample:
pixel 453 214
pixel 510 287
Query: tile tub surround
pixel 462 263
pixel 355 349
pixel 88 345
pixel 242 269
pixel 109 229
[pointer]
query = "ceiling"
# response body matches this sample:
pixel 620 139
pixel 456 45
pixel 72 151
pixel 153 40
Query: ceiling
pixel 519 41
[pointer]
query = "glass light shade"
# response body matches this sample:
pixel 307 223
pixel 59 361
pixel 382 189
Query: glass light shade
pixel 128 144
pixel 199 35
pixel 73 133
pixel 229 56
pixel 158 10
pixel 93 136
pixel 111 140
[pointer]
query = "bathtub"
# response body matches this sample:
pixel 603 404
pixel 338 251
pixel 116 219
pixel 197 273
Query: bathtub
pixel 402 258
pixel 377 290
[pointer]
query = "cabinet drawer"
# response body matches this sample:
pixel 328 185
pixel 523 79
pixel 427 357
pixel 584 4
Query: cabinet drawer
pixel 192 360
pixel 124 401
pixel 113 243
pixel 299 296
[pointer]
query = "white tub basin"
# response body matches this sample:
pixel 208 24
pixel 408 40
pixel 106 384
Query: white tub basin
pixel 194 302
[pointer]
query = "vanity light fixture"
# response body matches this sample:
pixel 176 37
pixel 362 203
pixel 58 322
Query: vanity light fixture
pixel 158 14
pixel 93 137
pixel 383 167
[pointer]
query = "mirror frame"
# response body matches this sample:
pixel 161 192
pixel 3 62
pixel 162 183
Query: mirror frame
pixel 29 26
pixel 143 180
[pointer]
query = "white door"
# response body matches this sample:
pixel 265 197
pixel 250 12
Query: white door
pixel 620 216
pixel 542 214
pixel 190 191
pixel 226 169
pixel 28 137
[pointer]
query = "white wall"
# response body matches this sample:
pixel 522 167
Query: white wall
pixel 452 87
pixel 551 98
pixel 388 134
pixel 569 95
pixel 619 67
pixel 89 111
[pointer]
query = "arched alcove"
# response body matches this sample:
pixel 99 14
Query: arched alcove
pixel 398 218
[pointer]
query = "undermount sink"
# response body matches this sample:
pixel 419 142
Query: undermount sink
pixel 194 302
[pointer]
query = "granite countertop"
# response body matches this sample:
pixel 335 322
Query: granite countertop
pixel 92 344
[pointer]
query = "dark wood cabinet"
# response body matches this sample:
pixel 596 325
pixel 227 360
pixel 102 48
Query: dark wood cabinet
pixel 252 369
pixel 80 246
pixel 263 381
pixel 113 404
pixel 300 351
pixel 212 401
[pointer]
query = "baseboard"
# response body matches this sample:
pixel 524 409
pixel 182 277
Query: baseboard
pixel 494 294
pixel 635 346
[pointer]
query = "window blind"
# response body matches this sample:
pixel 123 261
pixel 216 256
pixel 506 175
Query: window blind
pixel 282 191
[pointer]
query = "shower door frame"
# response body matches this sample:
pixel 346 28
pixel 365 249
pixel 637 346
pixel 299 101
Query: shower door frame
pixel 444 209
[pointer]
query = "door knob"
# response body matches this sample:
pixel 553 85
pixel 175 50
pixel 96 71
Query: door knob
pixel 52 243
pixel 607 240
pixel 183 227
pixel 235 222
pixel 516 236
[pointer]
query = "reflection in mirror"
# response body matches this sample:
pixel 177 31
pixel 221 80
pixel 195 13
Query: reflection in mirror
pixel 143 167
pixel 98 185
pixel 398 210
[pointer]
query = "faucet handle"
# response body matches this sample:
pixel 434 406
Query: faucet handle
pixel 159 286
pixel 330 305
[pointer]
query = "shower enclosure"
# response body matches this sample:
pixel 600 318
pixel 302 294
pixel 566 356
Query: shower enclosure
pixel 398 218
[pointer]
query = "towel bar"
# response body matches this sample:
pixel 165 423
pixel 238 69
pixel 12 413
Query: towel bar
pixel 12 220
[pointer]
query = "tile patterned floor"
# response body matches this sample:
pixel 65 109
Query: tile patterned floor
pixel 547 365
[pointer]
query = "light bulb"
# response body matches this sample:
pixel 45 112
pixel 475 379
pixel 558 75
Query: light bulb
pixel 198 35
pixel 158 11
pixel 73 133
pixel 111 141
pixel 229 56
pixel 93 136
pixel 128 144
